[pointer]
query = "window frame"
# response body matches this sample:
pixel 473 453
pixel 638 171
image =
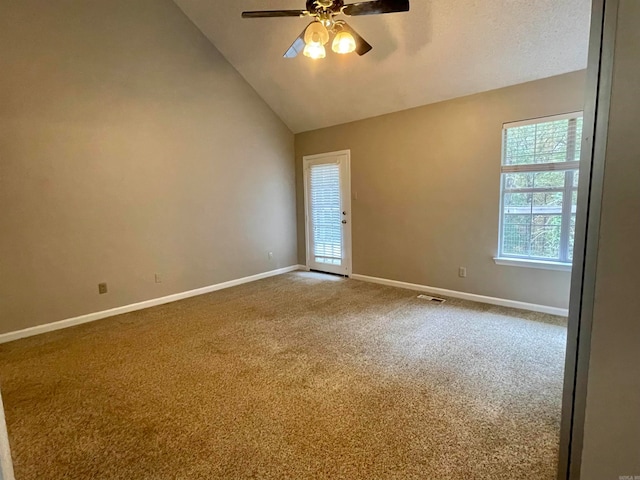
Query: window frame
pixel 563 263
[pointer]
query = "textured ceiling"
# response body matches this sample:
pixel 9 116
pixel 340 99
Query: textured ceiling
pixel 441 49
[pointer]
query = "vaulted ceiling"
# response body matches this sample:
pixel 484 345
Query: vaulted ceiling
pixel 439 50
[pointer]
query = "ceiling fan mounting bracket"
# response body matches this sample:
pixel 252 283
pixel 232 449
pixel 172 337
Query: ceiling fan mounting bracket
pixel 326 4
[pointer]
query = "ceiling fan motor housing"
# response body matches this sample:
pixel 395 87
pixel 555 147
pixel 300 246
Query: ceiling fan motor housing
pixel 333 6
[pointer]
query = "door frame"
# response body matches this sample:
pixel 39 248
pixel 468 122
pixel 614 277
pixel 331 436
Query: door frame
pixel 346 199
pixel 6 464
pixel 604 14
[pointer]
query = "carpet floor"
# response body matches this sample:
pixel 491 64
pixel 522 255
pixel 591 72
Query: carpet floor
pixel 301 376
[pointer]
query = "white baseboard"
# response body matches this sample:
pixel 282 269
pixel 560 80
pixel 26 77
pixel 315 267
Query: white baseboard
pixel 92 317
pixel 563 312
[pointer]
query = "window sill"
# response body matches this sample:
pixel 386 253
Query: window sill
pixel 541 264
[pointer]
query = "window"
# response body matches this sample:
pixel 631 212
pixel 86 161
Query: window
pixel 540 161
pixel 326 216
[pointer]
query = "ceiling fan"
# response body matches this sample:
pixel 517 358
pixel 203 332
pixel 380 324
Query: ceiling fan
pixel 316 35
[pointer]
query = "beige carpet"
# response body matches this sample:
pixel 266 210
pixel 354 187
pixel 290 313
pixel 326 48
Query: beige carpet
pixel 302 376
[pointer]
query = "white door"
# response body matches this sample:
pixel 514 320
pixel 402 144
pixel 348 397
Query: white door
pixel 328 212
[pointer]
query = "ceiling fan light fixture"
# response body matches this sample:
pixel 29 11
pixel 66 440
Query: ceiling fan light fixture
pixel 315 51
pixel 326 21
pixel 344 43
pixel 316 32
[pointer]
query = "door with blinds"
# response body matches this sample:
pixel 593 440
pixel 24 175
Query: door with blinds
pixel 328 212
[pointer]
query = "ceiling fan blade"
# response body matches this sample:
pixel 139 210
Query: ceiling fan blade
pixel 297 46
pixel 376 7
pixel 275 13
pixel 362 46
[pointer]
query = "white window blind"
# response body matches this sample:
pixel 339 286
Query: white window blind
pixel 326 213
pixel 540 170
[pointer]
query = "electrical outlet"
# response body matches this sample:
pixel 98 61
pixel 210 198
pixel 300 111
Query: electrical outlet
pixel 270 255
pixel 102 288
pixel 462 272
pixel 158 278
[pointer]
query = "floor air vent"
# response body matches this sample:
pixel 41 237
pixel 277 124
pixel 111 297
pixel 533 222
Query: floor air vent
pixel 429 298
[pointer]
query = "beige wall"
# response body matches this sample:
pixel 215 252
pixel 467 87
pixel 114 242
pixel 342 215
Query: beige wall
pixel 612 427
pixel 428 186
pixel 129 147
